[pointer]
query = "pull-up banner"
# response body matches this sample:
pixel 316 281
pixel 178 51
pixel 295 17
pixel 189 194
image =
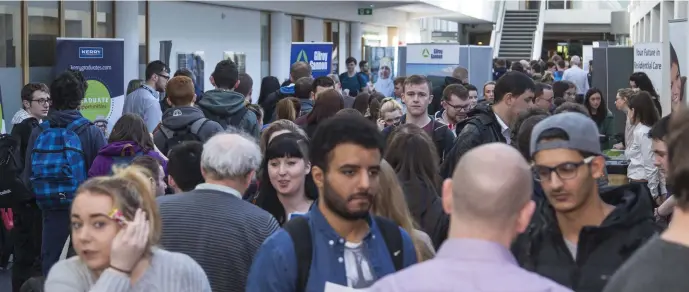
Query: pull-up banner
pixel 317 55
pixel 102 63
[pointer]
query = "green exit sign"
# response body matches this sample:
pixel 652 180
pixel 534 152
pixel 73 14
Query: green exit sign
pixel 365 11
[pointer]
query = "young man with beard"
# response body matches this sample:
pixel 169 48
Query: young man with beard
pixel 456 104
pixel 491 123
pixel 145 101
pixel 663 263
pixel 580 236
pixel 337 242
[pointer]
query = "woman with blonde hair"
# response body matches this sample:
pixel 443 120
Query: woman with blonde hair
pixel 390 113
pixel 115 229
pixel 391 203
pixel 285 109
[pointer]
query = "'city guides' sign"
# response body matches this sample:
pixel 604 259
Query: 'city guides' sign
pixel 317 55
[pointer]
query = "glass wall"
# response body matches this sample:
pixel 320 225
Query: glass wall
pixel 77 19
pixel 43 27
pixel 105 19
pixel 10 60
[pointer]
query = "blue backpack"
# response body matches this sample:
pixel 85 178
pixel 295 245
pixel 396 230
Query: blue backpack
pixel 126 157
pixel 58 164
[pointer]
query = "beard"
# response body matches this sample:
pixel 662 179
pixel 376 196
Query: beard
pixel 338 205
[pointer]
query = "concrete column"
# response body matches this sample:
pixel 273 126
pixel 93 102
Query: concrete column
pixel 280 43
pixel 655 24
pixel 667 11
pixel 647 27
pixel 127 28
pixel 343 51
pixel 313 29
pixel 681 9
pixel 355 40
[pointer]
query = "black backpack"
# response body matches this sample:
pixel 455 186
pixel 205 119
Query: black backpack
pixel 234 121
pixel 298 229
pixel 13 191
pixel 188 133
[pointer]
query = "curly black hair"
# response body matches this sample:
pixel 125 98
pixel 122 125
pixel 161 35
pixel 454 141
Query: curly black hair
pixel 67 90
pixel 342 129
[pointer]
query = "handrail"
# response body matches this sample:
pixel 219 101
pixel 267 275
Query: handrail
pixel 496 35
pixel 538 33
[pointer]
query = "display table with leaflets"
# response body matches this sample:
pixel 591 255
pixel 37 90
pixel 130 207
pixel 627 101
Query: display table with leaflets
pixel 616 165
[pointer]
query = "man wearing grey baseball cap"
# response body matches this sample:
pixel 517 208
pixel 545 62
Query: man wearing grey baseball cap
pixel 580 236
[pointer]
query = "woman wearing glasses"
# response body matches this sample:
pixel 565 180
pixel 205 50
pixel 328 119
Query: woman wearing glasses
pixel 115 229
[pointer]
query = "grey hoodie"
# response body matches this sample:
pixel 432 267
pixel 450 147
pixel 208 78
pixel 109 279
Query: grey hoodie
pixel 178 118
pixel 221 105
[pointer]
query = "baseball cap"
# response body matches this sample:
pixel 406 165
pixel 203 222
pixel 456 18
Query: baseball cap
pixel 581 130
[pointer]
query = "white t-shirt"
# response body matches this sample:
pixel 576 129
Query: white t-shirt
pixel 357 267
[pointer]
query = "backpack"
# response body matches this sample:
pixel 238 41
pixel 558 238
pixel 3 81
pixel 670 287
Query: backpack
pixel 188 133
pixel 234 121
pixel 58 164
pixel 12 189
pixel 300 232
pixel 126 157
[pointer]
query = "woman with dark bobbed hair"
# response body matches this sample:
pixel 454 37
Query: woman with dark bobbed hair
pixel 641 81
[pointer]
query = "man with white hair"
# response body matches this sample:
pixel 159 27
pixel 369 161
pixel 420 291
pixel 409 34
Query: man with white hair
pixel 212 224
pixel 577 76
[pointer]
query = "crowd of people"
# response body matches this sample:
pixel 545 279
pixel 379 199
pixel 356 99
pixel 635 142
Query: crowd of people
pixel 332 182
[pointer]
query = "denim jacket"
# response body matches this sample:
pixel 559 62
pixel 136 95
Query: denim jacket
pixel 275 264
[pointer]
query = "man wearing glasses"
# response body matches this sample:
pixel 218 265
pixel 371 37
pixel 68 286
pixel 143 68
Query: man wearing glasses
pixel 580 236
pixel 145 101
pixel 543 97
pixel 456 104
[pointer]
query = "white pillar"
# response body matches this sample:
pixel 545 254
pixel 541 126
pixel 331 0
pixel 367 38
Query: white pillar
pixel 667 10
pixel 313 29
pixel 280 44
pixel 655 24
pixel 647 27
pixel 681 9
pixel 355 40
pixel 343 48
pixel 127 28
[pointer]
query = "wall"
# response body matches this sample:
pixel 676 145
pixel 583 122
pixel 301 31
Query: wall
pixel 640 9
pixel 313 29
pixel 576 16
pixel 221 29
pixel 375 34
pixel 481 10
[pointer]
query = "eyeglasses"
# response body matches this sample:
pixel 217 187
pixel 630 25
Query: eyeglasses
pixel 461 108
pixel 167 77
pixel 565 171
pixel 43 101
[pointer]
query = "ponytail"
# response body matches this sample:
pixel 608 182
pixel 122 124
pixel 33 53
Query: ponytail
pixel 138 178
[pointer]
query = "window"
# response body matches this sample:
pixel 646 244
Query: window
pixel 10 60
pixel 556 4
pixel 77 19
pixel 265 44
pixel 297 29
pixel 43 28
pixel 104 19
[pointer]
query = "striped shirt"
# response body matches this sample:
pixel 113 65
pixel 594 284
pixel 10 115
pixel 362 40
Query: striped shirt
pixel 219 230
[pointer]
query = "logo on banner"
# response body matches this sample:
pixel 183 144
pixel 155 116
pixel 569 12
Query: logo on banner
pixel 90 53
pixel 436 54
pixel 319 62
pixel 97 101
pixel 303 57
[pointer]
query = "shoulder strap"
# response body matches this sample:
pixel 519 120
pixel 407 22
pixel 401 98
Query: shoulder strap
pixel 197 125
pixel 236 119
pixel 393 240
pixel 298 228
pixel 167 132
pixel 77 125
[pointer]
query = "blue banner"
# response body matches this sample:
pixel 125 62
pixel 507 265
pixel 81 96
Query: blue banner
pixel 102 63
pixel 318 55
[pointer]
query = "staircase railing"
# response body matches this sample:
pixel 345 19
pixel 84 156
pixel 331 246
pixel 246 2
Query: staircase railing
pixel 538 33
pixel 496 35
